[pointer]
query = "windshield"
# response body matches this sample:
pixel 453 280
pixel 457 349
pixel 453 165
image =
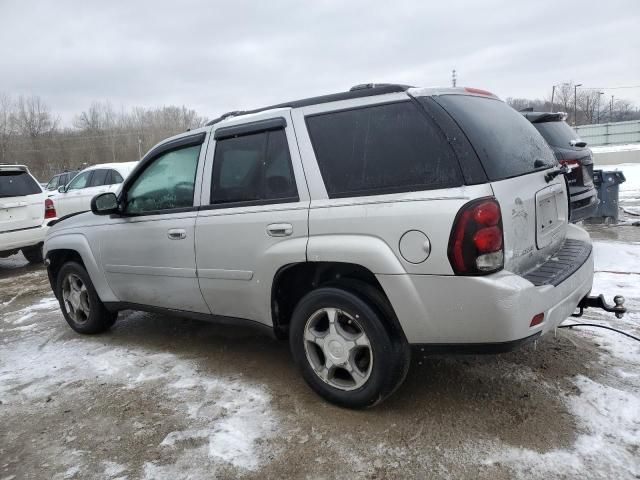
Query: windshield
pixel 558 134
pixel 17 183
pixel 506 142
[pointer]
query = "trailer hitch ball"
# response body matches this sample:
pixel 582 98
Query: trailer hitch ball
pixel 619 301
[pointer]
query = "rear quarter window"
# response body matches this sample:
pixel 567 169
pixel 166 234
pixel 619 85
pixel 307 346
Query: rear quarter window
pixel 507 144
pixel 381 149
pixel 17 184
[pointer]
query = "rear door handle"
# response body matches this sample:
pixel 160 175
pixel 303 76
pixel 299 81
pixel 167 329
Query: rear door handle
pixel 177 234
pixel 279 229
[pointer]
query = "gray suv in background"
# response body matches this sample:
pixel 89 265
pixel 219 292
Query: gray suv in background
pixel 571 151
pixel 356 225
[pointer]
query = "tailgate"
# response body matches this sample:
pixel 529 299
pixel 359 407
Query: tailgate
pixel 17 213
pixel 534 219
pixel 21 200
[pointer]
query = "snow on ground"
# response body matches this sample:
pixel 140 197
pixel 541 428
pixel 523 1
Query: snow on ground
pixel 615 148
pixel 607 410
pixel 228 416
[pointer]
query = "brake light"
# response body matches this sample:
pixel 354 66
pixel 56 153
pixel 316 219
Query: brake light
pixel 476 241
pixel 49 209
pixel 575 177
pixel 478 91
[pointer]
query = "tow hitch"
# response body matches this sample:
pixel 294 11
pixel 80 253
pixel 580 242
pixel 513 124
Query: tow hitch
pixel 599 302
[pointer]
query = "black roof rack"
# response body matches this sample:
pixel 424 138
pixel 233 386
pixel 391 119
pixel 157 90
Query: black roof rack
pixel 357 91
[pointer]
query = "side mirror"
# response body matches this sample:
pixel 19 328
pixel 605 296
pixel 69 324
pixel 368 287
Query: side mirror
pixel 62 189
pixel 104 204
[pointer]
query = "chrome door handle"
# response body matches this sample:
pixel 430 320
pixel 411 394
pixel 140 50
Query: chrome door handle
pixel 177 234
pixel 279 229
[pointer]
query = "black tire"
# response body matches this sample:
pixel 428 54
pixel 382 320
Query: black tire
pixel 33 254
pixel 389 349
pixel 99 319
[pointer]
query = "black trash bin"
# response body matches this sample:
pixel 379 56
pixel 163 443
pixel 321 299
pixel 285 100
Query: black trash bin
pixel 607 184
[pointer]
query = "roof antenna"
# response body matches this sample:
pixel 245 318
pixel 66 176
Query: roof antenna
pixel 453 78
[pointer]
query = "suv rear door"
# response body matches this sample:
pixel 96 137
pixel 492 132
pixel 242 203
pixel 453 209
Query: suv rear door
pixel 515 158
pixel 21 199
pixel 253 217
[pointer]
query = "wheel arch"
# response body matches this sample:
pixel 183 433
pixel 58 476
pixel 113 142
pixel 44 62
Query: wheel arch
pixel 293 281
pixel 74 247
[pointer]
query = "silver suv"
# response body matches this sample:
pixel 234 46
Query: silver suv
pixel 356 225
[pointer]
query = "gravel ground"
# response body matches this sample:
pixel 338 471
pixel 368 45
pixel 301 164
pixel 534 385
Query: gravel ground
pixel 160 397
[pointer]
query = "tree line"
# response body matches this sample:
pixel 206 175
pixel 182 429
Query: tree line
pixel 31 134
pixel 590 105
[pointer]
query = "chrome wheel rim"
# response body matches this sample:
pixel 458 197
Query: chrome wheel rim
pixel 338 349
pixel 76 298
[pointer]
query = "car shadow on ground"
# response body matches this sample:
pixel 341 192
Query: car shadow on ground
pixel 492 396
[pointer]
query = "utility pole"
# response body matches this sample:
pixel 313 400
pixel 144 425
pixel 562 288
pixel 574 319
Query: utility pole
pixel 139 147
pixel 453 78
pixel 599 94
pixel 553 92
pixel 611 110
pixel 575 103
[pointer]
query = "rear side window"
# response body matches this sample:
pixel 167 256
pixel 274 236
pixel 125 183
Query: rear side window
pixel 17 184
pixel 558 134
pixel 381 149
pixel 507 144
pixel 253 168
pixel 99 177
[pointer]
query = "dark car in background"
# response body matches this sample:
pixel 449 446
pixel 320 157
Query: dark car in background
pixel 572 152
pixel 61 179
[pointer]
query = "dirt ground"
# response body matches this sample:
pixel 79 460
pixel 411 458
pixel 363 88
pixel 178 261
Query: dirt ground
pixel 161 397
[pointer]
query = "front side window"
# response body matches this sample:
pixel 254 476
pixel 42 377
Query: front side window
pixel 53 183
pixel 253 168
pixel 80 181
pixel 381 149
pixel 167 183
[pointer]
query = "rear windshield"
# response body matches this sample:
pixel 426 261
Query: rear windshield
pixel 17 184
pixel 507 144
pixel 558 134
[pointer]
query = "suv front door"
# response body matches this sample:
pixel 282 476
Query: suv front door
pixel 253 215
pixel 148 252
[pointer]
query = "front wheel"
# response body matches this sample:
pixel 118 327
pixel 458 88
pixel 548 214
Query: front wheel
pixel 79 301
pixel 345 348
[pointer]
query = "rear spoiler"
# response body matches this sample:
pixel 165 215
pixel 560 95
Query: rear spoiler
pixel 541 117
pixel 13 168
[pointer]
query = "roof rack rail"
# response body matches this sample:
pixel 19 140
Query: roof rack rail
pixel 357 91
pixel 364 86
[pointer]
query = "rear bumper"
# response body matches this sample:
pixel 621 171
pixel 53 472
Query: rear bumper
pixel 456 311
pixel 27 237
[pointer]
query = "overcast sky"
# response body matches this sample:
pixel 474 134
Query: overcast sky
pixel 219 56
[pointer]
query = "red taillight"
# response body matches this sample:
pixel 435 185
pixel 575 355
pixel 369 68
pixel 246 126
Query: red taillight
pixel 49 209
pixel 571 163
pixel 475 244
pixel 537 320
pixel 488 239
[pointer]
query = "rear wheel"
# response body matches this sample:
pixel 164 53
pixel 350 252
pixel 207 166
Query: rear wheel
pixel 33 254
pixel 79 302
pixel 345 349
